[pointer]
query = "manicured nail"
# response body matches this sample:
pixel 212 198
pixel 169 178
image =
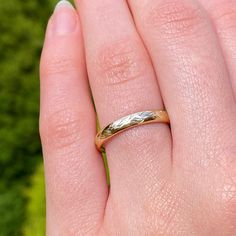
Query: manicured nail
pixel 64 18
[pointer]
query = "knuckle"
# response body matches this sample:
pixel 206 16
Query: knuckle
pixel 225 15
pixel 176 18
pixel 58 63
pixel 119 63
pixel 61 129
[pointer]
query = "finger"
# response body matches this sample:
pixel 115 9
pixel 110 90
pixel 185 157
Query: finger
pixel 123 82
pixel 191 73
pixel 75 176
pixel 223 14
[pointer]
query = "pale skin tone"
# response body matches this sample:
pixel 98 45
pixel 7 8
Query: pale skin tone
pixel 139 55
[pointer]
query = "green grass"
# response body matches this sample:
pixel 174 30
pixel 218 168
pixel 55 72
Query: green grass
pixel 35 210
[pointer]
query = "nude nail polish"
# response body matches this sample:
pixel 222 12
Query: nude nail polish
pixel 64 18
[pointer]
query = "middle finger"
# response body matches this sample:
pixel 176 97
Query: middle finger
pixel 191 73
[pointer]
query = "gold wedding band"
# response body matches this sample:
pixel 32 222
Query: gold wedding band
pixel 127 122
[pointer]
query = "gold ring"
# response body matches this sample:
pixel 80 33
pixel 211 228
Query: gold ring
pixel 127 122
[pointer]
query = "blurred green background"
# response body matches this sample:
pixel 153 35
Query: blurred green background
pixel 22 200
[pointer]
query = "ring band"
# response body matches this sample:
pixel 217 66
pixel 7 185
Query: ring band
pixel 127 122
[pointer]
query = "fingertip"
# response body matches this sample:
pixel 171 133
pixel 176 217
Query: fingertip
pixel 64 20
pixel 63 3
pixel 63 37
pixel 49 26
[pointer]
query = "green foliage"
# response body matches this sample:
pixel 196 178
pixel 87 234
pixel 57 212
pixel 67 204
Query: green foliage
pixel 11 212
pixel 22 25
pixel 35 222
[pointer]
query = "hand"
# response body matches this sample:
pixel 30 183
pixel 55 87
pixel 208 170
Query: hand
pixel 141 55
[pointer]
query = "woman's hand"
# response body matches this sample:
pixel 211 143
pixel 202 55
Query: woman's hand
pixel 141 55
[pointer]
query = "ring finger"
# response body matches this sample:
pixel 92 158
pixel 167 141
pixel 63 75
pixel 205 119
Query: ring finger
pixel 123 82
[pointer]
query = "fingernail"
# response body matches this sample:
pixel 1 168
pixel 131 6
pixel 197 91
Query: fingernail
pixel 64 18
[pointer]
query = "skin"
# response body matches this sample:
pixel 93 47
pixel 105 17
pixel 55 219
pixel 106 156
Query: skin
pixel 139 55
